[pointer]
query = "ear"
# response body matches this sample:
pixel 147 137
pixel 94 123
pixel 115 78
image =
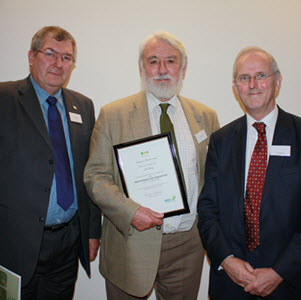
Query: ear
pixel 278 83
pixel 184 70
pixel 31 55
pixel 234 85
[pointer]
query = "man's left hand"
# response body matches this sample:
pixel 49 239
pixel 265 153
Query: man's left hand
pixel 266 281
pixel 93 248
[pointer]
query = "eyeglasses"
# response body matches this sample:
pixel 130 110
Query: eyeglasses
pixel 246 79
pixel 53 55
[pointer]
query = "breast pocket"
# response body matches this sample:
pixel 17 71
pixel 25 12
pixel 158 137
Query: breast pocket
pixel 290 178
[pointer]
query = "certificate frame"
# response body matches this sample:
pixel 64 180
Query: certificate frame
pixel 162 169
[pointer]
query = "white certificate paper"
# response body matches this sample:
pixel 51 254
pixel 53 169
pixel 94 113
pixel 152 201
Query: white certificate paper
pixel 151 176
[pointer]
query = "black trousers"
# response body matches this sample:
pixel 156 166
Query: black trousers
pixel 56 271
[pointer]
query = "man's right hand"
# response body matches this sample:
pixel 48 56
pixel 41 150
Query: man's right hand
pixel 240 271
pixel 146 218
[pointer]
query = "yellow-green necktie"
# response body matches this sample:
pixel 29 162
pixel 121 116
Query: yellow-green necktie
pixel 167 126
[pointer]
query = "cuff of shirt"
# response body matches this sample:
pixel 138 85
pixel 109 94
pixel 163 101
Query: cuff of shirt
pixel 220 267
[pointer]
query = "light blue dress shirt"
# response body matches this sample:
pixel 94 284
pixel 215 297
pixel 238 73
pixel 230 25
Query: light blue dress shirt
pixel 56 214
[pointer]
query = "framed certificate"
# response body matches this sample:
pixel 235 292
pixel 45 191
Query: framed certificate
pixel 150 174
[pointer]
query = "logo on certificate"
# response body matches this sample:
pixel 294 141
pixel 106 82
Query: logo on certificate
pixel 144 152
pixel 173 198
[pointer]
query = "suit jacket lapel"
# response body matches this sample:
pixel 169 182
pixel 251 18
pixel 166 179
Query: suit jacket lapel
pixel 29 101
pixel 70 107
pixel 193 118
pixel 238 149
pixel 139 117
pixel 195 123
pixel 282 136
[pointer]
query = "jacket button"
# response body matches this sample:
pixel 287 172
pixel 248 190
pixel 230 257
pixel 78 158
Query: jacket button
pixel 51 161
pixel 46 189
pixel 41 219
pixel 158 227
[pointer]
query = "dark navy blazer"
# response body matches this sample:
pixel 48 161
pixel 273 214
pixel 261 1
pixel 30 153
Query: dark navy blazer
pixel 221 209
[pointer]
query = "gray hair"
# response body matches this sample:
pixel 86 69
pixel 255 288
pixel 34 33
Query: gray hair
pixel 164 36
pixel 254 49
pixel 55 32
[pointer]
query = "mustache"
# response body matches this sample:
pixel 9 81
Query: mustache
pixel 160 77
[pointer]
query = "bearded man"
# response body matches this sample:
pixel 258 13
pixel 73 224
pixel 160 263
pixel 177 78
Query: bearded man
pixel 140 250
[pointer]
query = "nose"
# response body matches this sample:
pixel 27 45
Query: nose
pixel 59 61
pixel 252 83
pixel 162 68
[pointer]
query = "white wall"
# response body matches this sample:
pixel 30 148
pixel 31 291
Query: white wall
pixel 108 34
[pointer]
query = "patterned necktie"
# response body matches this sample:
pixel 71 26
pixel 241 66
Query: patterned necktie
pixel 167 126
pixel 254 188
pixel 64 184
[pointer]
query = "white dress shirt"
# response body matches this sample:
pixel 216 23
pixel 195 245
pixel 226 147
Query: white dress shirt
pixel 187 154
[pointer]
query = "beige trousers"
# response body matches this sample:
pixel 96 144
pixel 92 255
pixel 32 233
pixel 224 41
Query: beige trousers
pixel 179 271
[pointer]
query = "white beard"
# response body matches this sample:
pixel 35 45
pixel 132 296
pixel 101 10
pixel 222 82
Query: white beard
pixel 162 90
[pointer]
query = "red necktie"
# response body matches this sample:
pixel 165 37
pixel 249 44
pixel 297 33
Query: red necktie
pixel 254 188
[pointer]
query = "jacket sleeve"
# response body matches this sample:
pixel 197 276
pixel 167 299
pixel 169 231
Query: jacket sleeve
pixel 101 175
pixel 210 230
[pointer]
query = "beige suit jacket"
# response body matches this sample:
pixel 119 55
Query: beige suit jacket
pixel 129 258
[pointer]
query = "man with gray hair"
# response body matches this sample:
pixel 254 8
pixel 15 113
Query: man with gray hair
pixel 249 208
pixel 139 249
pixel 47 220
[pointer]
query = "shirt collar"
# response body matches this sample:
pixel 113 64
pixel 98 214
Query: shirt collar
pixel 43 95
pixel 269 120
pixel 154 102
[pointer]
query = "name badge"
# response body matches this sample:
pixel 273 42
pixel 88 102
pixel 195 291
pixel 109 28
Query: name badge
pixel 280 150
pixel 75 118
pixel 201 136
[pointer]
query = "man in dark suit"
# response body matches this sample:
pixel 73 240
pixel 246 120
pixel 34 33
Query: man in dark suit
pixel 250 206
pixel 47 220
